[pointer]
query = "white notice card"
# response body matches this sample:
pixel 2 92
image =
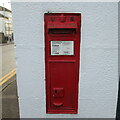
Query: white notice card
pixel 62 47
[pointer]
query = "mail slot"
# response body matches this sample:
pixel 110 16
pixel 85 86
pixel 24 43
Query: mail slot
pixel 62 31
pixel 62 58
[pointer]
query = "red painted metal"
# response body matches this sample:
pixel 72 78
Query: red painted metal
pixel 62 71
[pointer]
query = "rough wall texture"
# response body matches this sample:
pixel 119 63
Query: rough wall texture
pixel 98 84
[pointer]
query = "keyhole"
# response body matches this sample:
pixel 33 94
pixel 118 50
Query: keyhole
pixel 72 19
pixel 56 91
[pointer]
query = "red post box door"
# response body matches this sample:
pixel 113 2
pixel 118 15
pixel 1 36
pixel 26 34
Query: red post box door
pixel 62 52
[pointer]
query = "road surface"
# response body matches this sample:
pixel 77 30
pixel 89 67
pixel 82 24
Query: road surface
pixel 8 95
pixel 8 59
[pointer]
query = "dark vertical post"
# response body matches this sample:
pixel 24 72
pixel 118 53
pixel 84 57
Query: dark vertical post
pixel 118 104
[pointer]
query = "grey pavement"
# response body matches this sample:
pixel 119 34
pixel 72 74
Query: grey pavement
pixel 8 59
pixel 10 107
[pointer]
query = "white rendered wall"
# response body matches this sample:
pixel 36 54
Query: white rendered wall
pixel 98 84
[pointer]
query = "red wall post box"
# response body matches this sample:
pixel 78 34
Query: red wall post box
pixel 62 54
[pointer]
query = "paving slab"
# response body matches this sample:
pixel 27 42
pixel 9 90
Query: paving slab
pixel 10 107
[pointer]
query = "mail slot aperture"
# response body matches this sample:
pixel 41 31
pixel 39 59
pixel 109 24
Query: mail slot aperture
pixel 62 31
